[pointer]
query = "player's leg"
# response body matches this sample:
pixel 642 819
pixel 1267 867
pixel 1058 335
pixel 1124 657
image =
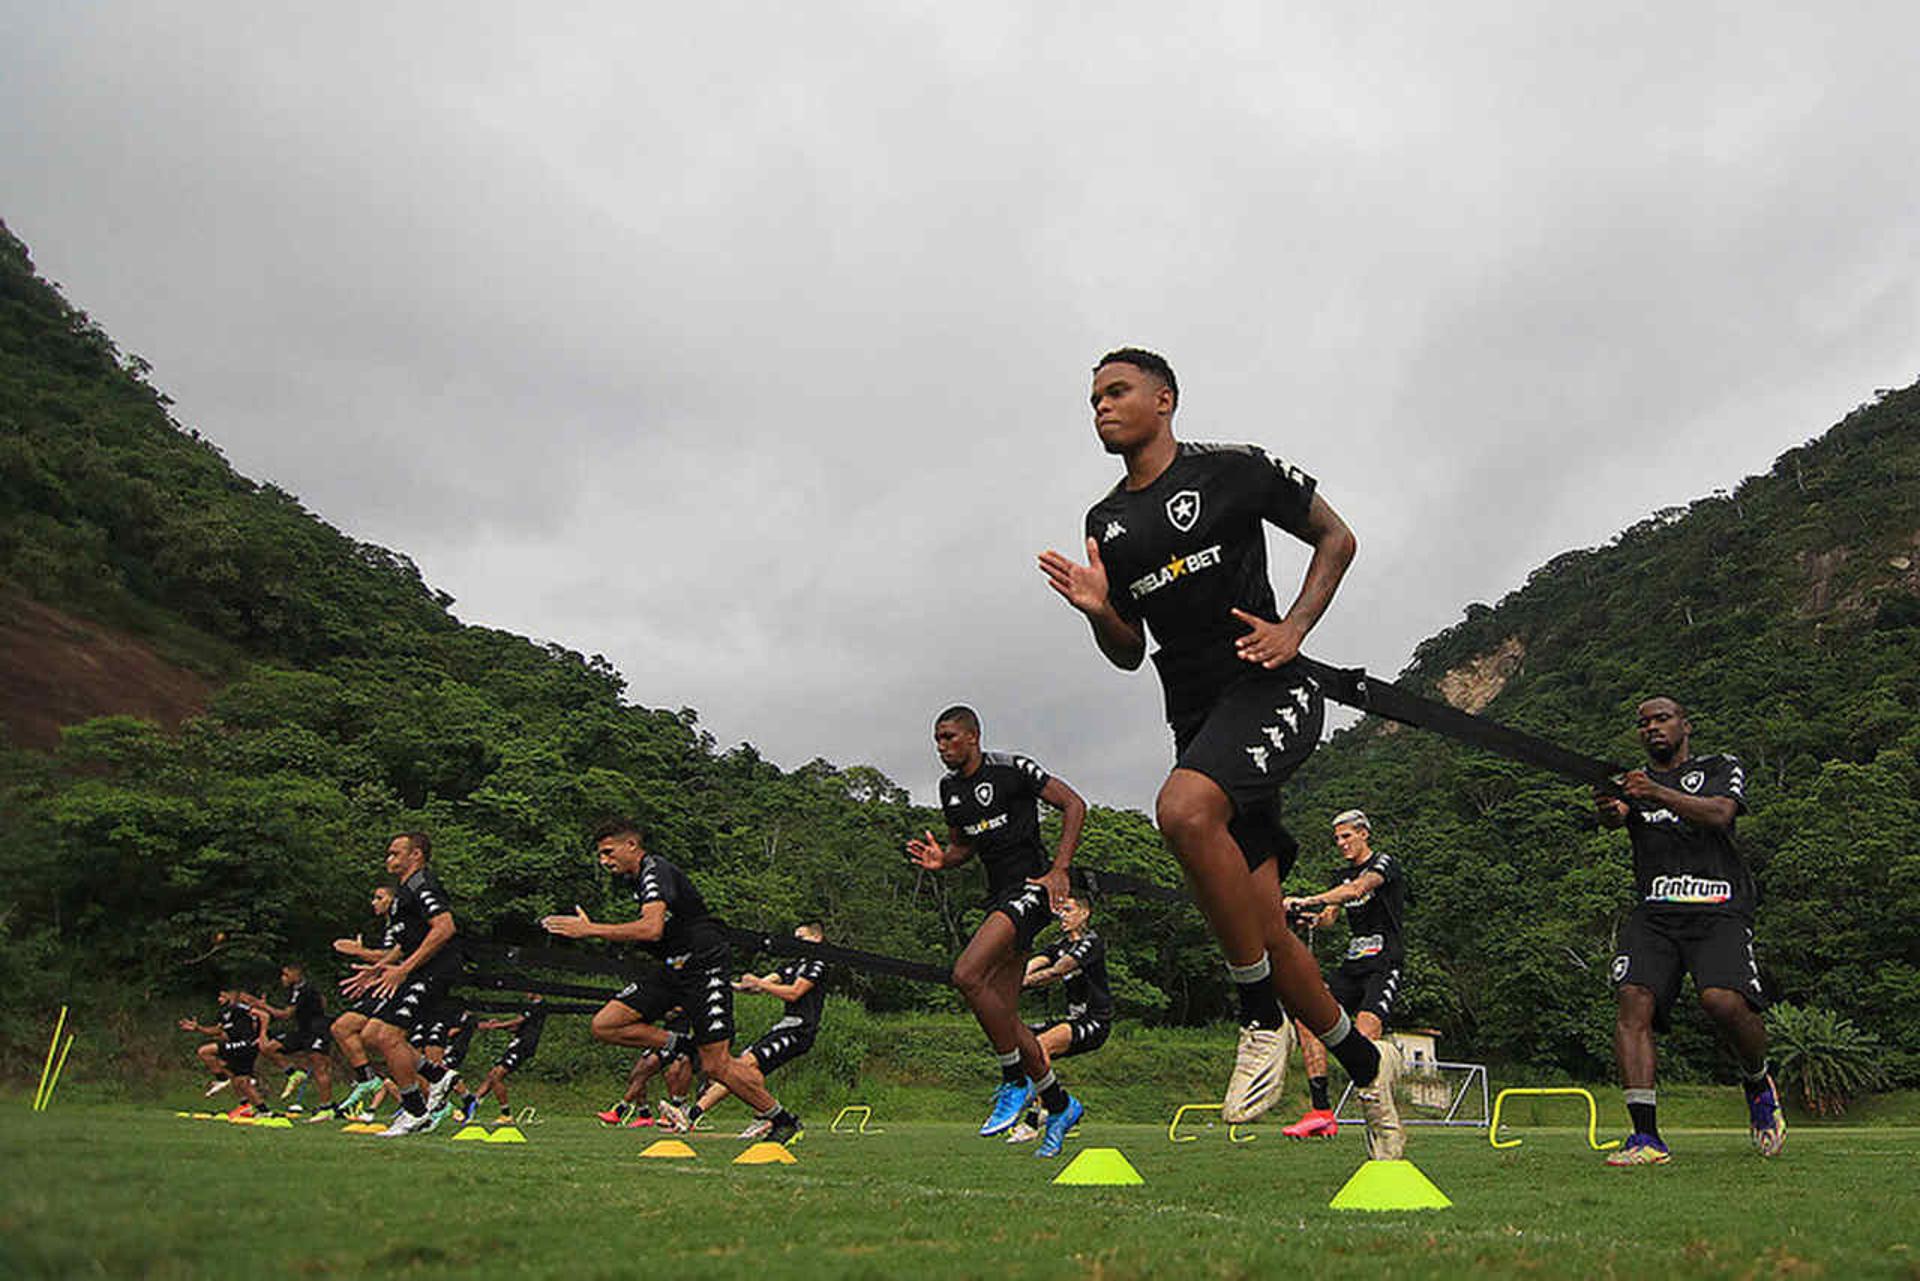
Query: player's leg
pixel 633 1102
pixel 1720 957
pixel 631 1019
pixel 987 973
pixel 1646 977
pixel 346 1032
pixel 1318 1120
pixel 1056 1041
pixel 209 1056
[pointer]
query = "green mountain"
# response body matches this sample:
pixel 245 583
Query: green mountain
pixel 253 700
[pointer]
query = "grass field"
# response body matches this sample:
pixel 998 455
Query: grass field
pixel 90 1190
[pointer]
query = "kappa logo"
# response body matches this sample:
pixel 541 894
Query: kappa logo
pixel 1113 531
pixel 1692 779
pixel 953 800
pixel 1619 968
pixel 1183 509
pixel 1259 755
pixel 1275 737
pixel 983 792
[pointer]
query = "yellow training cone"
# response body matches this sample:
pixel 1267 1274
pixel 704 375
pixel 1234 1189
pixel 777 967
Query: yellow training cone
pixel 1100 1167
pixel 362 1127
pixel 274 1123
pixel 507 1134
pixel 471 1133
pixel 1389 1185
pixel 668 1148
pixel 766 1154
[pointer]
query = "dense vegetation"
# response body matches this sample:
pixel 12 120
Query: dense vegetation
pixel 352 703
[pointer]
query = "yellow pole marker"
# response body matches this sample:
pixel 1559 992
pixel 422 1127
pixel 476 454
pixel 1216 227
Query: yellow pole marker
pixel 52 1045
pixel 1173 1128
pixel 58 1068
pixel 1593 1116
pixel 846 1114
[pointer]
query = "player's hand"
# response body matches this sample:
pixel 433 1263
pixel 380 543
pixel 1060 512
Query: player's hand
pixel 1637 785
pixel 386 980
pixel 356 983
pixel 1044 977
pixel 188 1025
pixel 1083 586
pixel 1055 881
pixel 926 852
pixel 577 926
pixel 345 947
pixel 1609 807
pixel 1268 644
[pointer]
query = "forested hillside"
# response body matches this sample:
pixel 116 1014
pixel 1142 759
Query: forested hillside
pixel 346 701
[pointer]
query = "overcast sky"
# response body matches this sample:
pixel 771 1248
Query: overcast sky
pixel 748 344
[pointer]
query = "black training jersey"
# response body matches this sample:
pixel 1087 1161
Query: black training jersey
pixel 1089 996
pixel 533 1021
pixel 1375 920
pixel 309 1010
pixel 807 1006
pixel 1678 867
pixel 1189 548
pixel 238 1026
pixel 381 934
pixel 420 898
pixel 689 927
pixel 996 810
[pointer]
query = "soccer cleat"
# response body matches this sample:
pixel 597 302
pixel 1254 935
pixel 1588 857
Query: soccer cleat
pixel 640 1121
pixel 615 1115
pixel 469 1107
pixel 294 1078
pixel 1054 1133
pixel 758 1130
pixel 324 1115
pixel 242 1112
pixel 673 1119
pixel 438 1091
pixel 407 1123
pixel 217 1086
pixel 360 1093
pixel 1640 1149
pixel 1318 1123
pixel 785 1129
pixel 1259 1070
pixel 439 1114
pixel 1386 1137
pixel 1009 1101
pixel 1023 1133
pixel 1768 1119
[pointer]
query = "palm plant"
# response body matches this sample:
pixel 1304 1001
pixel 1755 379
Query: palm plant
pixel 1822 1058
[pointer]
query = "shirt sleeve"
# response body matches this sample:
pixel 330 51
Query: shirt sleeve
pixel 433 898
pixel 1087 951
pixel 1387 868
pixel 1035 777
pixel 1728 777
pixel 652 887
pixel 1286 493
pixel 811 969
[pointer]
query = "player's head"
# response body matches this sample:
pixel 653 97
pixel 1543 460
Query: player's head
pixel 382 899
pixel 1073 915
pixel 1664 729
pixel 292 973
pixel 956 735
pixel 228 996
pixel 621 846
pixel 810 932
pixel 408 852
pixel 1134 395
pixel 1353 833
pixel 533 998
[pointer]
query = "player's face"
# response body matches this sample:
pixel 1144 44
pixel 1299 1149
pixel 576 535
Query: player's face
pixel 954 742
pixel 382 901
pixel 399 851
pixel 808 934
pixel 288 976
pixel 1352 841
pixel 1074 914
pixel 1663 730
pixel 1130 406
pixel 621 854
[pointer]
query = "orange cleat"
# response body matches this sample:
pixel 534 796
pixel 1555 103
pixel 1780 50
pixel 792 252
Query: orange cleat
pixel 1316 1124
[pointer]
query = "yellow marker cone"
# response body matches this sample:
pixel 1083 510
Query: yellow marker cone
pixel 668 1148
pixel 1389 1185
pixel 471 1133
pixel 507 1134
pixel 274 1123
pixel 766 1154
pixel 185 1116
pixel 362 1127
pixel 206 1116
pixel 1099 1167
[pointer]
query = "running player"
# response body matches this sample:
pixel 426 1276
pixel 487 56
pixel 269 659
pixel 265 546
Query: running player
pixel 526 1027
pixel 675 927
pixel 378 943
pixel 1078 959
pixel 239 1030
pixel 991 801
pixel 1373 891
pixel 800 984
pixel 411 988
pixel 1178 547
pixel 305 1047
pixel 1695 916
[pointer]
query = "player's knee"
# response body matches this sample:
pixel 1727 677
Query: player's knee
pixel 970 975
pixel 606 1025
pixel 1634 1010
pixel 1723 1005
pixel 1184 815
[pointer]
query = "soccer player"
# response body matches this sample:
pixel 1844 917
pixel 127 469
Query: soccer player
pixel 1078 959
pixel 674 926
pixel 306 1045
pixel 1373 891
pixel 378 943
pixel 239 1029
pixel 411 989
pixel 991 801
pixel 526 1027
pixel 632 1110
pixel 800 984
pixel 1695 916
pixel 1178 548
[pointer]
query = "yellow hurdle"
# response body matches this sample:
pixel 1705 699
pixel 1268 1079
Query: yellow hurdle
pixel 1593 1116
pixel 846 1113
pixel 58 1068
pixel 1173 1127
pixel 52 1046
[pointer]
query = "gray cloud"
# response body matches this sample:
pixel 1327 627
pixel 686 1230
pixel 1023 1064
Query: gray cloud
pixel 749 347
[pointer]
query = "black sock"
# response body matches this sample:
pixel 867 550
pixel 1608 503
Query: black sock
pixel 1756 1081
pixel 1359 1056
pixel 430 1072
pixel 1640 1107
pixel 363 1072
pixel 693 1113
pixel 640 1108
pixel 1053 1095
pixel 1259 1007
pixel 1317 1087
pixel 1033 1120
pixel 413 1101
pixel 1011 1073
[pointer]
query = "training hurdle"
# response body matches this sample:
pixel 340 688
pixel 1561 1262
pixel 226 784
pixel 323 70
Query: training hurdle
pixel 1173 1126
pixel 1593 1116
pixel 50 1074
pixel 846 1114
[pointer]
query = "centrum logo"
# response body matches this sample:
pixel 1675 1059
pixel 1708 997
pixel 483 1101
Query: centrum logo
pixel 1366 945
pixel 1179 567
pixel 1689 889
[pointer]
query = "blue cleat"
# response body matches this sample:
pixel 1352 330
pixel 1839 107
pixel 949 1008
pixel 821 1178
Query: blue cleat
pixel 1055 1132
pixel 1768 1119
pixel 1009 1101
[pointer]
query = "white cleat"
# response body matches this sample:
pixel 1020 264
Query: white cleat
pixel 1259 1070
pixel 1022 1133
pixel 672 1118
pixel 437 1092
pixel 407 1123
pixel 758 1130
pixel 217 1086
pixel 1386 1136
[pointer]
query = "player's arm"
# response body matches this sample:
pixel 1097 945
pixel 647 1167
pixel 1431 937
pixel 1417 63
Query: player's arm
pixel 1272 644
pixel 198 1028
pixel 785 991
pixel 925 851
pixel 1609 809
pixel 1073 815
pixel 1716 812
pixel 1345 892
pixel 1050 974
pixel 648 927
pixel 1037 965
pixel 272 1010
pixel 1085 588
pixel 361 952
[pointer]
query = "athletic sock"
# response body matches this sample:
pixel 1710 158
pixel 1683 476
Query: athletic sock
pixel 1317 1087
pixel 413 1101
pixel 1259 1007
pixel 677 1043
pixel 1053 1095
pixel 363 1071
pixel 430 1072
pixel 1359 1056
pixel 693 1113
pixel 1032 1120
pixel 1756 1081
pixel 1640 1108
pixel 1011 1073
pixel 638 1109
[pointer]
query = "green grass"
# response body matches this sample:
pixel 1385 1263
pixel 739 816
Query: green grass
pixel 87 1189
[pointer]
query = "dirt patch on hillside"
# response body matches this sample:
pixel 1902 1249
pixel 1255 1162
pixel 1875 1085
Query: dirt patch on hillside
pixel 57 670
pixel 1472 687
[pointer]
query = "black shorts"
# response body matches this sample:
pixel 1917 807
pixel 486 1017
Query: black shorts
pixel 781 1045
pixel 239 1059
pixel 415 1002
pixel 1658 948
pixel 1028 907
pixel 1366 987
pixel 457 1045
pixel 515 1056
pixel 700 985
pixel 1259 731
pixel 365 1006
pixel 1087 1032
pixel 298 1042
